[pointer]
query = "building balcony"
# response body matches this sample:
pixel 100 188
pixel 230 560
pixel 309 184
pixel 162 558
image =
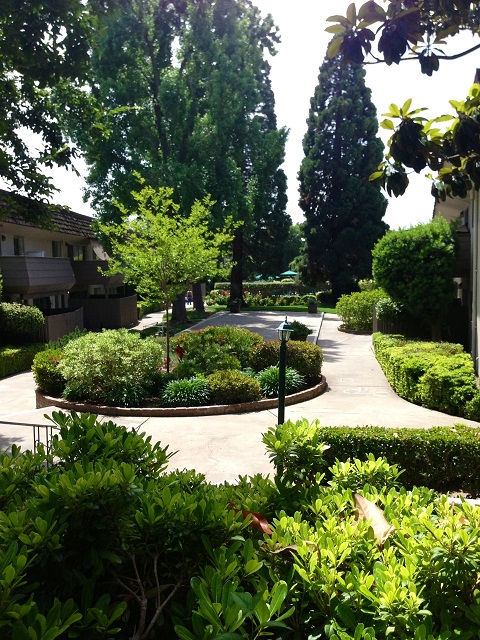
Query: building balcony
pixel 32 276
pixel 91 272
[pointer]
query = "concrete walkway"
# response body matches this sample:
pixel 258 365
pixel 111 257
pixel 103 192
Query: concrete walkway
pixel 224 447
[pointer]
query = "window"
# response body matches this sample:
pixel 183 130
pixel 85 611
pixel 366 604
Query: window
pixel 18 246
pixel 57 248
pixel 77 252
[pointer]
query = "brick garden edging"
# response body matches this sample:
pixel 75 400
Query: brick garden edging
pixel 43 401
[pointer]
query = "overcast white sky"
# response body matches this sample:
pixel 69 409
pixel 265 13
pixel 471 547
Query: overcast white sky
pixel 294 77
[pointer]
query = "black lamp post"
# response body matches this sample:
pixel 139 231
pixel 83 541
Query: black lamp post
pixel 284 332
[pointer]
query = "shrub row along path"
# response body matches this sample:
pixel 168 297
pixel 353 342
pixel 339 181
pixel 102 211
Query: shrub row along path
pixel 226 446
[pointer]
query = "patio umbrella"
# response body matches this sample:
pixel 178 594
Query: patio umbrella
pixel 289 273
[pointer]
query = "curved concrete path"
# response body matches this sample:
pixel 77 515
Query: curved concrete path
pixel 224 447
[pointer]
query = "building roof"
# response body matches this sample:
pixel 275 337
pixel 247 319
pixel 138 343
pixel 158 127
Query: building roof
pixel 27 212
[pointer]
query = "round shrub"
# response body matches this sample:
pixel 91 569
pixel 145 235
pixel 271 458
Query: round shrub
pixel 114 367
pixel 19 322
pixel 232 387
pixel 188 392
pixel 214 348
pixel 356 309
pixel 268 379
pixel 46 373
pixel 304 357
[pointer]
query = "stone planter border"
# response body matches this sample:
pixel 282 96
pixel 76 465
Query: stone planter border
pixel 43 401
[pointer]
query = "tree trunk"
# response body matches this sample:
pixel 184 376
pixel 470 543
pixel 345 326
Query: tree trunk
pixel 198 297
pixel 236 276
pixel 179 312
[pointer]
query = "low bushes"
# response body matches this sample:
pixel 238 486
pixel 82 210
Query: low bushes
pixel 304 357
pixel 114 367
pixel 356 309
pixel 269 377
pixel 232 387
pixel 88 542
pixel 436 375
pixel 215 348
pixel 187 392
pixel 19 323
pixel 118 368
pixel 17 359
pixel 441 458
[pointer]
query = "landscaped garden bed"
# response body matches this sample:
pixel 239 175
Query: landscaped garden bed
pixel 215 370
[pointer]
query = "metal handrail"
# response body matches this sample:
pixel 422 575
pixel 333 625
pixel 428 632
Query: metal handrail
pixel 37 434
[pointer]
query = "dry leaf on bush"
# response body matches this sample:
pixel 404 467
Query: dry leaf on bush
pixel 369 511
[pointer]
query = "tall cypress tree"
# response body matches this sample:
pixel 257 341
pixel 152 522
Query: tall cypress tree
pixel 343 209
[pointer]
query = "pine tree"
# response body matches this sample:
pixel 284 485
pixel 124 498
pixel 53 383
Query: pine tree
pixel 343 209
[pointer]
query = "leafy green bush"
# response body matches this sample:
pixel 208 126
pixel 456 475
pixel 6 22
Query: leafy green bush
pixel 61 342
pixel 19 323
pixel 299 330
pixel 415 267
pixel 437 375
pixel 232 387
pixel 367 284
pixel 113 367
pixel 187 392
pixel 374 472
pixel 83 436
pixel 268 379
pixel 304 357
pixel 48 378
pixel 88 542
pixel 214 348
pixel 356 309
pixel 441 458
pixel 18 359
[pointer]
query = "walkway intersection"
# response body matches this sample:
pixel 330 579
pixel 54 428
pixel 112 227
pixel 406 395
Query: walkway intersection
pixel 225 447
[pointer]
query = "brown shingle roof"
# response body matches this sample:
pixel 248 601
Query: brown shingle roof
pixel 24 211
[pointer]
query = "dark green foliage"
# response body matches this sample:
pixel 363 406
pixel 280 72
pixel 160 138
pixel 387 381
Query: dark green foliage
pixel 299 330
pixel 36 60
pixel 415 267
pixel 187 392
pixel 48 378
pixel 288 557
pixel 113 367
pixel 232 387
pixel 214 348
pixel 83 437
pixel 437 375
pixel 19 323
pixel 268 379
pixel 304 357
pixel 441 458
pixel 64 340
pixel 343 210
pixel 18 359
pixel 356 309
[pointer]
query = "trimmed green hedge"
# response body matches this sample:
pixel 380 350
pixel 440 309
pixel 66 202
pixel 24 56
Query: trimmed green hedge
pixel 437 375
pixel 441 458
pixel 304 357
pixel 17 359
pixel 19 323
pixel 356 309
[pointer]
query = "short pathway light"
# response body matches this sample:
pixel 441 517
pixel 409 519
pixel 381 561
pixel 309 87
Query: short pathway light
pixel 284 333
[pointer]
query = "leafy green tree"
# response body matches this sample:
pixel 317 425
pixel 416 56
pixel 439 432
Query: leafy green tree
pixel 416 267
pixel 160 251
pixel 191 107
pixel 43 43
pixel 408 30
pixel 343 210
